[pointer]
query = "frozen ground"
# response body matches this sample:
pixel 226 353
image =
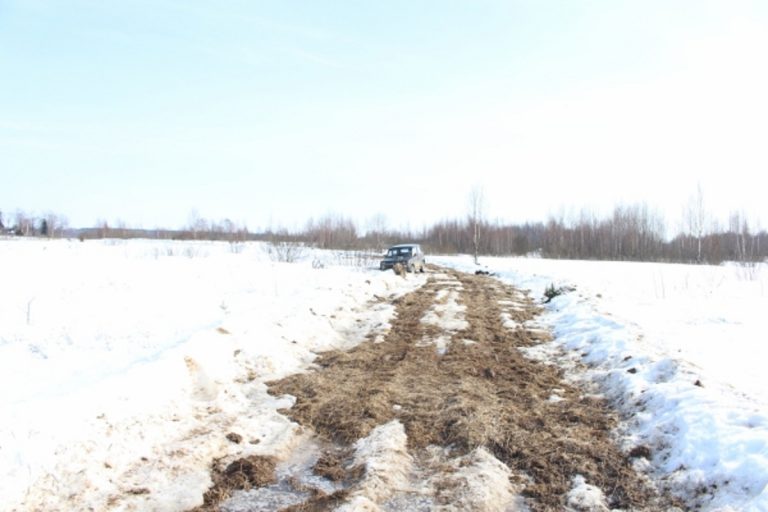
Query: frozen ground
pixel 123 366
pixel 680 350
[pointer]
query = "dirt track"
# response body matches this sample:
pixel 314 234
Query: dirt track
pixel 451 372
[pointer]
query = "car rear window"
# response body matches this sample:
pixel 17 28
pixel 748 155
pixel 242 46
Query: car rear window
pixel 399 251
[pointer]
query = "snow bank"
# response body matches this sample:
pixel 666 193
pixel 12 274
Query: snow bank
pixel 126 364
pixel 481 482
pixel 680 351
pixel 384 454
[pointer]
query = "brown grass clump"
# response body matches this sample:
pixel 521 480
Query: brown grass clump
pixel 331 465
pixel 242 474
pixel 400 270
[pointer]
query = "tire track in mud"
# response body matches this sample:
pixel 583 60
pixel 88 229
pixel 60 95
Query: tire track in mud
pixel 476 426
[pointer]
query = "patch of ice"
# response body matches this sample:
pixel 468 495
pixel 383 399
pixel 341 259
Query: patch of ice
pixel 295 471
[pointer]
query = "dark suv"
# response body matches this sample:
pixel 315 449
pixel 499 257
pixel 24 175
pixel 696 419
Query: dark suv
pixel 409 255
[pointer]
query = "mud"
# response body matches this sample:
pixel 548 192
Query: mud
pixel 240 475
pixel 481 394
pixel 478 396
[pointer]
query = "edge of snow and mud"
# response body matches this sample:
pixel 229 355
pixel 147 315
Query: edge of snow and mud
pixel 702 442
pixel 146 438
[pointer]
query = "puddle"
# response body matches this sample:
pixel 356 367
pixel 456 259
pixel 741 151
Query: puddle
pixel 296 483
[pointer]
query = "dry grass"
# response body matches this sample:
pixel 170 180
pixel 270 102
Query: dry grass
pixel 483 394
pixel 242 474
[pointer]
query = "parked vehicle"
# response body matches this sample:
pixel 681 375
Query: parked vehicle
pixel 410 255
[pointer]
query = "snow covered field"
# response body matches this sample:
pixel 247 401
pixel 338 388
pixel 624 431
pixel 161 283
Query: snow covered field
pixel 124 365
pixel 680 349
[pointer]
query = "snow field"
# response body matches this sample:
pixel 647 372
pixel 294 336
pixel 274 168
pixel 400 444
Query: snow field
pixel 680 351
pixel 125 364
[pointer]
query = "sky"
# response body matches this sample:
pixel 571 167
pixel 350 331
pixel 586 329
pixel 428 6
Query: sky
pixel 272 112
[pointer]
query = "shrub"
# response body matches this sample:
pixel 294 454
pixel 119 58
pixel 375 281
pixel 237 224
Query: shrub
pixel 285 252
pixel 552 291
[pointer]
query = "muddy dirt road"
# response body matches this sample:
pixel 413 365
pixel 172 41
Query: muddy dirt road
pixel 446 413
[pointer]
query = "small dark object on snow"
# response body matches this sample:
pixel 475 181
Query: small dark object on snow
pixel 235 438
pixel 551 292
pixel 243 474
pixel 482 273
pixel 254 471
pixel 331 466
pixel 138 491
pixel 640 451
pixel 698 383
pixel 632 370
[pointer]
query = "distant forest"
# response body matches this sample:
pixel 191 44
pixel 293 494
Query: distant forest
pixel 630 233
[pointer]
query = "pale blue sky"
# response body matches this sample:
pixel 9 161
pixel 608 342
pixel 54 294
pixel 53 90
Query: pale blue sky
pixel 272 112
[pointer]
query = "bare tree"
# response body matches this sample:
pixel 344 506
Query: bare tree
pixel 696 218
pixel 197 226
pixel 24 224
pixel 747 245
pixel 55 224
pixel 377 227
pixel 331 232
pixel 476 214
pixel 102 229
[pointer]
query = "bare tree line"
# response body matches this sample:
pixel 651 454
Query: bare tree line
pixel 630 232
pixel 22 224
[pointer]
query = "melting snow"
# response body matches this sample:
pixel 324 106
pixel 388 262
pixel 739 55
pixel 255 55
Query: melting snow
pixel 446 314
pixel 585 497
pixel 679 350
pixel 124 365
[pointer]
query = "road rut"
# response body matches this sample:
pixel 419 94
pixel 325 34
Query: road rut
pixel 446 413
